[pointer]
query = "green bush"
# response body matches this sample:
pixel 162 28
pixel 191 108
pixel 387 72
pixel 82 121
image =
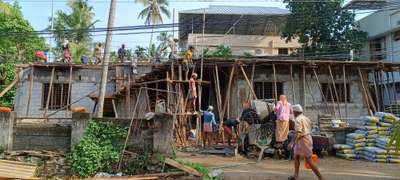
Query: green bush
pixel 7 75
pixel 2 149
pixel 99 150
pixel 222 51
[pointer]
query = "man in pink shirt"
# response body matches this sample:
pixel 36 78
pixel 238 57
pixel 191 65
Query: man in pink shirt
pixel 284 112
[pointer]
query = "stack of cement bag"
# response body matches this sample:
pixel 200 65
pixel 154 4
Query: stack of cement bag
pixel 385 124
pixel 345 151
pixel 356 140
pixel 392 155
pixel 370 130
pixel 373 154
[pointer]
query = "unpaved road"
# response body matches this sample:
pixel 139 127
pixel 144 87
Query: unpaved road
pixel 332 168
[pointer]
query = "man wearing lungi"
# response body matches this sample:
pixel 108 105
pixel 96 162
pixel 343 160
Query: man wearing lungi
pixel 209 121
pixel 283 110
pixel 303 144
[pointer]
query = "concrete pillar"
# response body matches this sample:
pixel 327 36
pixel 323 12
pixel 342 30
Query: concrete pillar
pixel 163 134
pixel 6 129
pixel 80 122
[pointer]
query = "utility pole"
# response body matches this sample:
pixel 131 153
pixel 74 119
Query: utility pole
pixel 107 49
pixel 52 31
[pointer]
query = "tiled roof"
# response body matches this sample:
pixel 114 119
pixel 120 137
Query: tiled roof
pixel 238 10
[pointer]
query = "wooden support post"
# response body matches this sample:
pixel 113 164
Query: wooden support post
pixel 31 78
pixel 168 93
pixel 114 108
pixel 390 93
pixel 335 90
pixel 364 91
pixel 228 91
pixel 387 89
pixel 8 87
pixel 70 88
pixel 345 90
pixel 128 98
pixel 322 93
pixel 293 86
pixel 50 90
pixel 157 93
pixel 275 87
pixel 248 83
pixel 381 90
pixel 180 72
pixel 333 101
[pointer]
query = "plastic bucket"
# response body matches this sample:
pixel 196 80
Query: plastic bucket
pixel 314 160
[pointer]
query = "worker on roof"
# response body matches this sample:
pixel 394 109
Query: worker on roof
pixel 67 52
pixel 97 53
pixel 188 61
pixel 121 53
pixel 302 142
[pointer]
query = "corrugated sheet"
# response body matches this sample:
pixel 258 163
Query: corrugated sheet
pixel 239 10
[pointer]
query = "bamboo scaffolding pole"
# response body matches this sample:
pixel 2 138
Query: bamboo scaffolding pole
pixel 62 95
pixel 322 93
pixel 386 89
pixel 248 82
pixel 345 90
pixel 275 87
pixel 394 88
pixel 364 91
pixel 228 91
pixel 50 90
pixel 70 89
pixel 114 108
pixel 376 91
pixel 28 106
pixel 168 89
pixel 387 83
pixel 333 101
pixel 303 87
pixel 219 102
pixel 335 90
pixel 253 69
pixel 293 85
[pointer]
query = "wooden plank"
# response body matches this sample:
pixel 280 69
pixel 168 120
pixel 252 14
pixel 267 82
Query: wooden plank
pixel 50 90
pixel 28 106
pixel 219 101
pixel 183 167
pixel 248 82
pixel 253 70
pixel 17 170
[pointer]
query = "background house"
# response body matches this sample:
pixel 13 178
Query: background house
pixel 254 30
pixel 383 29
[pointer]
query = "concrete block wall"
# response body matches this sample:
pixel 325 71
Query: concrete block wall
pixel 313 97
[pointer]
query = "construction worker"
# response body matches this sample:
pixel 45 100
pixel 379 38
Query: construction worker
pixel 192 94
pixel 97 53
pixel 188 61
pixel 302 142
pixel 67 52
pixel 121 53
pixel 209 122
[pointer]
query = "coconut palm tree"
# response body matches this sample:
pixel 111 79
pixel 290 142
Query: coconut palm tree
pixel 153 12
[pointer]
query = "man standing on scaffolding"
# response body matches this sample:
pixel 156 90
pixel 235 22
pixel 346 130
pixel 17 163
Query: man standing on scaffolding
pixel 188 61
pixel 192 94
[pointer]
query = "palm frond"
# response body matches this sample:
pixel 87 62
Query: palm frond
pixel 165 10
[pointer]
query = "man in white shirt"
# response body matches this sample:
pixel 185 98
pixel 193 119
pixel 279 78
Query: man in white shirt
pixel 302 141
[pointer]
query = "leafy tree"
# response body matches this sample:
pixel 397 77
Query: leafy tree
pixel 18 42
pixel 323 27
pixel 394 139
pixel 7 75
pixel 75 27
pixel 152 13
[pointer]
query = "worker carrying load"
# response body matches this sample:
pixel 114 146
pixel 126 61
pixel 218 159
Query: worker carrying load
pixel 67 52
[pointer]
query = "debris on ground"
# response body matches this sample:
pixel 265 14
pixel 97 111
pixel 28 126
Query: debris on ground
pixel 17 170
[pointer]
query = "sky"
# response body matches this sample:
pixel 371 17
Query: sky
pixel 38 12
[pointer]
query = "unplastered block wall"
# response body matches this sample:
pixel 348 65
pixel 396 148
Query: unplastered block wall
pixel 84 82
pixel 313 98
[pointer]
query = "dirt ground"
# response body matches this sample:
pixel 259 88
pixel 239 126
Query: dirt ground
pixel 268 169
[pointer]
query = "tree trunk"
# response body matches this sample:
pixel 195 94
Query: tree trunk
pixel 107 49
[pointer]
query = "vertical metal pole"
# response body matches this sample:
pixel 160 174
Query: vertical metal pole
pixel 107 50
pixel 52 29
